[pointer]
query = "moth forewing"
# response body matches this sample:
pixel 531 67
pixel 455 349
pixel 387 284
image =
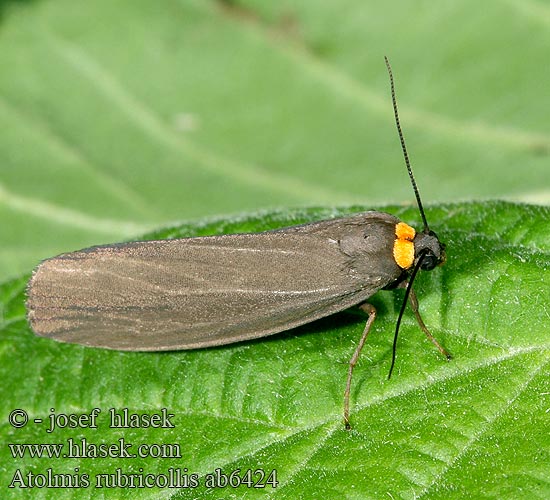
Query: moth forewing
pixel 196 292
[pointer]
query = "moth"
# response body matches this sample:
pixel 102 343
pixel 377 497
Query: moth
pixel 191 293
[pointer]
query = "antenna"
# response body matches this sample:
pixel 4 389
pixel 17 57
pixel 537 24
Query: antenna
pixel 402 310
pixel 404 148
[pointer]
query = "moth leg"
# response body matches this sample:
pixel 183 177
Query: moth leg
pixel 371 312
pixel 414 306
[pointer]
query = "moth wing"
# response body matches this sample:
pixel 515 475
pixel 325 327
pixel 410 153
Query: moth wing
pixel 196 292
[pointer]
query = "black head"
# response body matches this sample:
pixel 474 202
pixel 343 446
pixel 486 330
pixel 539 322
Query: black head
pixel 428 247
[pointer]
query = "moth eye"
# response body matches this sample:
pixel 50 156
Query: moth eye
pixel 429 262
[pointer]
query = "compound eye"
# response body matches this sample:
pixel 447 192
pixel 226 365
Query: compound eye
pixel 429 262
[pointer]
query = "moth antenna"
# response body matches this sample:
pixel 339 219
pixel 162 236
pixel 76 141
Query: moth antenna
pixel 402 311
pixel 404 148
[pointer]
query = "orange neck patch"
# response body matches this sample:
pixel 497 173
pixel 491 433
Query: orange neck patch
pixel 403 247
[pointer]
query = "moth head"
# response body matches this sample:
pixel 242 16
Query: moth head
pixel 428 247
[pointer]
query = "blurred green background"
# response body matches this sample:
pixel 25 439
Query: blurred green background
pixel 118 117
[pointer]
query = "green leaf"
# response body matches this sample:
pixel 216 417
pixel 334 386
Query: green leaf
pixel 474 427
pixel 117 117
